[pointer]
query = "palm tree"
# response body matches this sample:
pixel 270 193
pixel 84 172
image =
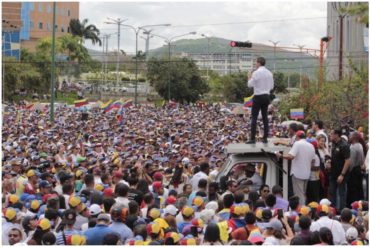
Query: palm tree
pixel 80 29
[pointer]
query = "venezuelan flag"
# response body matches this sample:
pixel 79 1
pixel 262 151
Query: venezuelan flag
pixel 248 102
pixel 127 103
pixel 79 103
pixel 296 113
pixel 116 105
pixel 106 104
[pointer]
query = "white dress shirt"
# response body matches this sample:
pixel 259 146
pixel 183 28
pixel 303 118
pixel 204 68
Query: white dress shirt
pixel 196 178
pixel 339 236
pixel 262 81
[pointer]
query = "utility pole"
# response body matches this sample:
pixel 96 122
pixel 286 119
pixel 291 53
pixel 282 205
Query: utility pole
pixel 53 67
pixel 208 55
pixel 147 38
pixel 117 22
pixel 340 7
pixel 300 70
pixel 275 44
pixel 323 45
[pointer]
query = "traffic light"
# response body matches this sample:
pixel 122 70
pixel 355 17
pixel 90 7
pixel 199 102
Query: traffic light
pixel 240 44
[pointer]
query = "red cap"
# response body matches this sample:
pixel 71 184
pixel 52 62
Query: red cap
pixel 108 192
pixel 158 176
pixel 118 174
pixel 157 185
pixel 171 200
pixel 300 134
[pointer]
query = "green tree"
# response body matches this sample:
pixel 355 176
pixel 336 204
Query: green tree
pixel 182 74
pixel 359 10
pixel 280 83
pixel 235 87
pixel 84 31
pixel 292 80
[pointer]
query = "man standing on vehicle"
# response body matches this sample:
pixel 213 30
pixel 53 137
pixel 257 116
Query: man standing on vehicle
pixel 262 83
pixel 302 155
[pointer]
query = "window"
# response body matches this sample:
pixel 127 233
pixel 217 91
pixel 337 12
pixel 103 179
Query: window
pixel 49 8
pixel 48 26
pixel 32 6
pixel 62 12
pixel 69 13
pixel 40 7
pixel 32 25
pixel 40 25
pixel 68 30
pixel 62 29
pixel 56 10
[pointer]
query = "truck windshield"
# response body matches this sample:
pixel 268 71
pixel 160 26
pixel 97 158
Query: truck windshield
pixel 249 175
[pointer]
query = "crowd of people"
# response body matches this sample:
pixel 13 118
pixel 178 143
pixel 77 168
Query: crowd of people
pixel 150 179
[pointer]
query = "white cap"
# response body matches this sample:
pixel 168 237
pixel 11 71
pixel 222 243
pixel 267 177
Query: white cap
pixel 185 161
pixel 351 234
pixel 170 209
pixel 212 205
pixel 207 215
pixel 94 209
pixel 325 202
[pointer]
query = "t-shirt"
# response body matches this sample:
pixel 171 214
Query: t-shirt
pixel 339 153
pixel 303 153
pixel 315 175
pixel 135 195
pixel 357 156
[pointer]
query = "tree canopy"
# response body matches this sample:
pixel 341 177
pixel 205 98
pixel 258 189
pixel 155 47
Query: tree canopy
pixel 84 31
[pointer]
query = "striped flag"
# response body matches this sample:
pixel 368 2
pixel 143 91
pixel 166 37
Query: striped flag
pixel 296 113
pixel 30 106
pixel 248 101
pixel 79 103
pixel 106 104
pixel 127 103
pixel 121 114
pixel 116 105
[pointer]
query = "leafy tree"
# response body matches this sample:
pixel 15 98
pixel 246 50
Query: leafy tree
pixel 84 31
pixel 235 87
pixel 182 74
pixel 280 83
pixel 360 10
pixel 292 80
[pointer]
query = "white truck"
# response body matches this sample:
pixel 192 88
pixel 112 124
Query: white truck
pixel 262 156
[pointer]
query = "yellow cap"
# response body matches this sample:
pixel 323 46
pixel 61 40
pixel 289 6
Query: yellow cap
pixel 74 201
pixel 78 240
pixel 304 210
pixel 154 213
pixel 99 187
pixel 198 201
pixel 78 174
pixel 35 204
pixel 30 173
pixel 187 211
pixel 13 199
pixel 44 224
pixel 10 213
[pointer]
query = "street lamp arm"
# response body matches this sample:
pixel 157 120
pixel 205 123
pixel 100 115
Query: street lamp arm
pixel 178 36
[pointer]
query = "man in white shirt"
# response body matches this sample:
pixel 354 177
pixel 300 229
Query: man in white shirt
pixel 339 235
pixel 302 155
pixel 202 174
pixel 262 82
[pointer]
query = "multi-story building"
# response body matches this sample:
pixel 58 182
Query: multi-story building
pixel 36 20
pixel 355 41
pixel 11 26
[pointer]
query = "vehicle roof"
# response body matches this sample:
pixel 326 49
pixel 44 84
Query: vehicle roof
pixel 242 148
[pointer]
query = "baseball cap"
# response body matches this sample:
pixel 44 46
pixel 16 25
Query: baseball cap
pixel 157 185
pixel 236 209
pixel 13 199
pixel 323 209
pixel 187 211
pixel 198 201
pixel 188 241
pixel 171 200
pixel 275 224
pixel 44 184
pixel 300 134
pixel 76 239
pixel 325 201
pixel 99 187
pixel 95 209
pixel 175 236
pixel 31 173
pixel 153 228
pixel 313 205
pixel 108 192
pixel 255 236
pixel 118 175
pixel 10 213
pixel 158 176
pixel 74 201
pixel 171 209
pixel 304 210
pixel 44 224
pixel 154 213
pixel 35 204
pixel 198 223
pixel 104 217
pixel 351 234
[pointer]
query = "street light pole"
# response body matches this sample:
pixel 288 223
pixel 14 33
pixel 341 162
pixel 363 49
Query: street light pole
pixel 208 55
pixel 137 30
pixel 275 44
pixel 118 22
pixel 168 41
pixel 53 67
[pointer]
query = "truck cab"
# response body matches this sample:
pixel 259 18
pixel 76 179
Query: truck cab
pixel 268 169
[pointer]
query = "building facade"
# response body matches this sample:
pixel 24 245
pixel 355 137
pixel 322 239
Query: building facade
pixel 355 42
pixel 36 19
pixel 223 63
pixel 11 27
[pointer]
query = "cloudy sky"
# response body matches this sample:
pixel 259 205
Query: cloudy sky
pixel 291 23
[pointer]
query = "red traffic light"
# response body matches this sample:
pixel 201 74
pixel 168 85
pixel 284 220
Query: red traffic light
pixel 240 44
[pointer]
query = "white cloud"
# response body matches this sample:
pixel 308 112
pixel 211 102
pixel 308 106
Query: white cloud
pixel 201 17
